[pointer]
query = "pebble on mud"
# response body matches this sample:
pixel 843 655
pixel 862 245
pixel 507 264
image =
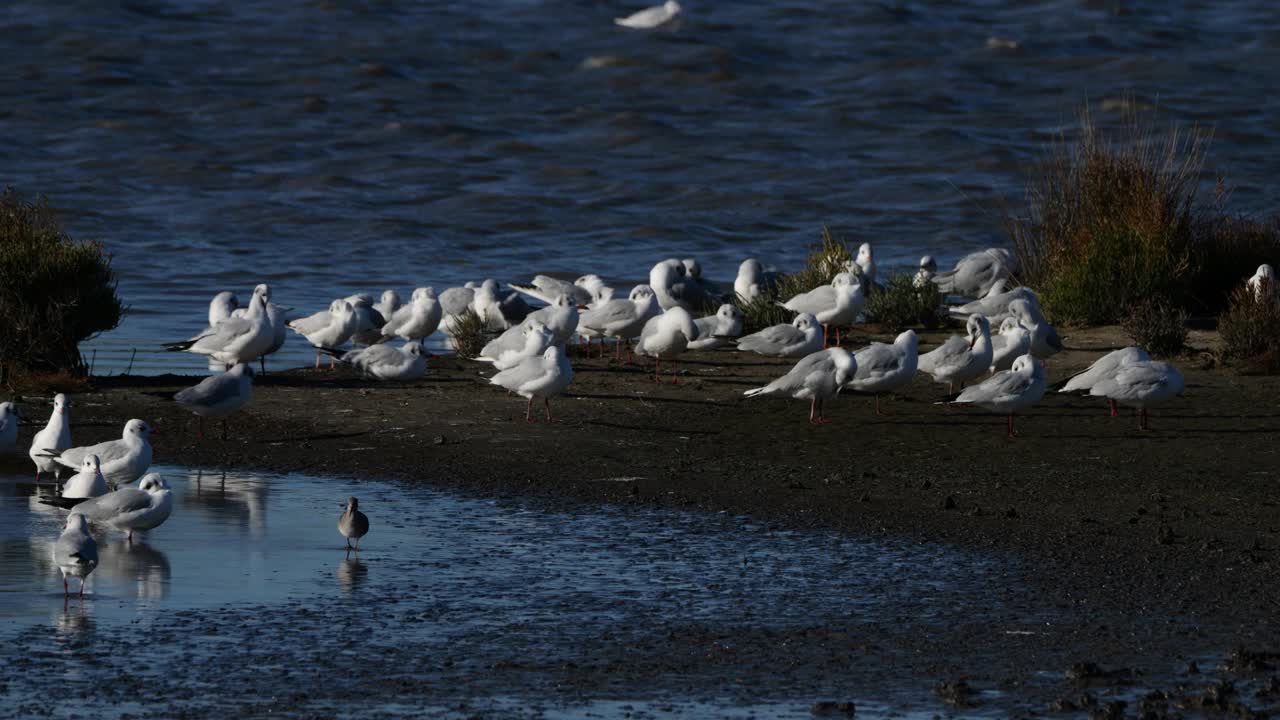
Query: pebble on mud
pixel 956 693
pixel 949 503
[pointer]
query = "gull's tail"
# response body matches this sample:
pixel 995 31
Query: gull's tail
pixel 756 391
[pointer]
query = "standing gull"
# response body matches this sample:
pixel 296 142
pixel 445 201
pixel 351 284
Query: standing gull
pixel 665 337
pixel 56 436
pixel 816 378
pixel 619 319
pixel 123 460
pixel 1102 368
pixel 801 337
pixel 1008 391
pixel 131 509
pixel 547 289
pixel 218 396
pixel 353 523
pixel 1012 342
pixel 543 377
pixel 327 328
pixel 717 330
pixel 673 288
pixel 276 318
pixel 960 359
pixel 418 319
pixel 1141 384
pixel 883 368
pixel 233 340
pixel 75 552
pixel 1044 338
pixel 836 304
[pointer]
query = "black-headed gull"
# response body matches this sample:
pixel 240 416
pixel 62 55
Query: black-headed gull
pixel 369 321
pixel 131 509
pixel 650 17
pixel 8 426
pixel 387 362
pixel 55 436
pixel 276 318
pixel 1012 342
pixel 388 303
pixel 327 328
pixel 537 338
pixel 816 378
pixel 218 396
pixel 1008 391
pixel 618 318
pixel 222 306
pixel 674 288
pixel 1263 283
pixel 417 320
pixel 543 377
pixel 88 483
pixel 123 460
pixel 353 523
pixel 75 552
pixel 1103 368
pixel 924 275
pixel 1141 384
pixel 975 273
pixel 234 340
pixel 547 289
pixel 995 305
pixel 665 337
pixel 835 304
pixel 1044 338
pixel 560 317
pixel 883 367
pixel 961 358
pixel 717 330
pixel 753 281
pixel 797 339
pixel 866 265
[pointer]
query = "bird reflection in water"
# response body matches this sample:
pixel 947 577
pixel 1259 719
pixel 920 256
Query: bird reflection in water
pixel 351 572
pixel 75 621
pixel 138 563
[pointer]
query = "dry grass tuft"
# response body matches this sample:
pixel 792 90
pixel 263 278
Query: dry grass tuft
pixel 470 334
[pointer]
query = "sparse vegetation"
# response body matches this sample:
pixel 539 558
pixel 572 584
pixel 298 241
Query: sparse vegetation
pixel 55 292
pixel 469 334
pixel 1250 330
pixel 1157 325
pixel 824 263
pixel 901 305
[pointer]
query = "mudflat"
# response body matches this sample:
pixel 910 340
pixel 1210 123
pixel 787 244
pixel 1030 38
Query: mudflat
pixel 1161 546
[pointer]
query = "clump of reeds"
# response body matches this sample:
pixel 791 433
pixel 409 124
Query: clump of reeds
pixel 470 334
pixel 1250 328
pixel 824 263
pixel 901 304
pixel 55 292
pixel 1157 325
pixel 1110 222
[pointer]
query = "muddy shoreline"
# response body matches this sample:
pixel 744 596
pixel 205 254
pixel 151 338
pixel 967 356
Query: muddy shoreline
pixel 1161 547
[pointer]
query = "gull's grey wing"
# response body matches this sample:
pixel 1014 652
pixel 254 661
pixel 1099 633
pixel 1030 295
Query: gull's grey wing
pixel 614 311
pixel 946 354
pixel 455 301
pixel 210 391
pixel 877 359
pixel 816 300
pixel 105 507
pixel 773 337
pixel 106 452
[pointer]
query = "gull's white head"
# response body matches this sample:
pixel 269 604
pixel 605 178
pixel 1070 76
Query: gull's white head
pixel 864 253
pixel 137 429
pixel 751 269
pixel 264 290
pixel 8 409
pixel 641 292
pixel 1265 272
pixel 1027 365
pixel 422 294
pixel 845 279
pixel 671 6
pixel 846 365
pixel 77 521
pixel 728 313
pixel 390 297
pixel 804 321
pixel 691 266
pixel 413 348
pixel 152 483
pixel 564 301
pixel 60 403
pixel 977 326
pixel 907 339
pixel 928 263
pixel 1010 325
pixel 589 282
pixel 91 463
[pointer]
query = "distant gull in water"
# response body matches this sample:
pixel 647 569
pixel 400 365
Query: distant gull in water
pixel 131 509
pixel 650 18
pixel 123 460
pixel 75 552
pixel 55 436
pixel 88 483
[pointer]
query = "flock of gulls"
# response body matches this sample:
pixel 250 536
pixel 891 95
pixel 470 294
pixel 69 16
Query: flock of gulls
pixel 661 320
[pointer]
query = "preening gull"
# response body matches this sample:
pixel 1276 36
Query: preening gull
pixel 816 378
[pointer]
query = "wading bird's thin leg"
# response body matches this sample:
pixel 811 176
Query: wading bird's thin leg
pixel 880 412
pixel 1114 411
pixel 546 402
pixel 528 411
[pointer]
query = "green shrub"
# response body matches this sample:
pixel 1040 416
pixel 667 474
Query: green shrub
pixel 54 292
pixel 1250 328
pixel 1157 325
pixel 469 334
pixel 1109 223
pixel 824 263
pixel 901 305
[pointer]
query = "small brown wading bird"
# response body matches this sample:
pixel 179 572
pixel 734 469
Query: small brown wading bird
pixel 353 523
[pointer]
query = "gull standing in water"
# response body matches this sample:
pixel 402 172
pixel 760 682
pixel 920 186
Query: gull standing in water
pixel 797 339
pixel 651 17
pixel 883 368
pixel 75 552
pixel 353 523
pixel 1141 384
pixel 55 436
pixel 1102 368
pixel 665 337
pixel 538 377
pixel 1008 391
pixel 218 396
pixel 88 483
pixel 131 509
pixel 816 378
pixel 960 359
pixel 123 460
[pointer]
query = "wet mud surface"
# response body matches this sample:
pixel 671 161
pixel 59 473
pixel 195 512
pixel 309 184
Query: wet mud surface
pixel 1113 562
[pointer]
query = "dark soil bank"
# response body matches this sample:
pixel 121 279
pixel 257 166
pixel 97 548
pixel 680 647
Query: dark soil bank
pixel 1160 548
